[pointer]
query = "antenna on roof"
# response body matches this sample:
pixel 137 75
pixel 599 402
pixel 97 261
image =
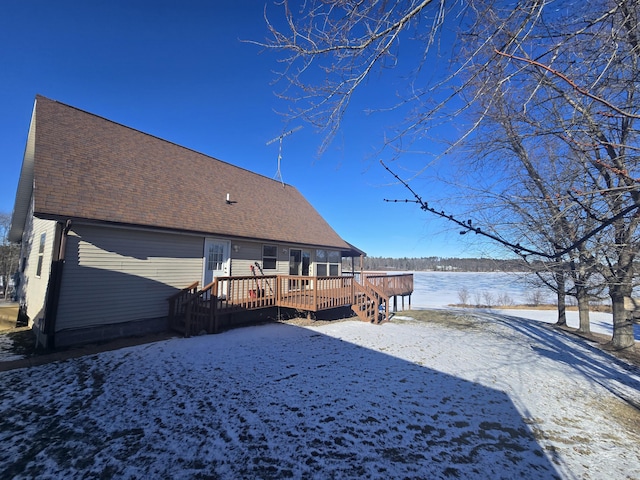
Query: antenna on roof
pixel 278 175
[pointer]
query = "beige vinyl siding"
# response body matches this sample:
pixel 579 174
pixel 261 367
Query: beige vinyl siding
pixel 116 275
pixel 35 286
pixel 250 252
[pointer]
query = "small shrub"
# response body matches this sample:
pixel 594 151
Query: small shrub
pixel 477 297
pixel 535 297
pixel 463 296
pixel 488 298
pixel 504 300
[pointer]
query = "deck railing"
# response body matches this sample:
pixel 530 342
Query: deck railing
pixel 397 284
pixel 246 293
pixel 194 310
pixel 314 293
pixel 200 315
pixel 178 303
pixel 377 298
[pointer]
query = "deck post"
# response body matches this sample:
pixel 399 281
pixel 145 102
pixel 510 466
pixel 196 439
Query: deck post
pixel 187 320
pixel 213 323
pixel 386 309
pixel 315 292
pixel 172 306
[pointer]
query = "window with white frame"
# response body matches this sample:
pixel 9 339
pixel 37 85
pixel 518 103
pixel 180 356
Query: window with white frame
pixel 327 263
pixel 334 262
pixel 269 257
pixel 321 263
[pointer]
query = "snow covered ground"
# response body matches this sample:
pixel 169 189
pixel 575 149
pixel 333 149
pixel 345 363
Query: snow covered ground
pixel 485 398
pixel 481 396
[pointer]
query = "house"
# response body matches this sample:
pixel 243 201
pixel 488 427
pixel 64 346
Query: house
pixel 113 221
pixel 119 228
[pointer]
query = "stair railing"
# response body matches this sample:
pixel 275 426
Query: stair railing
pixel 200 314
pixel 367 301
pixel 178 303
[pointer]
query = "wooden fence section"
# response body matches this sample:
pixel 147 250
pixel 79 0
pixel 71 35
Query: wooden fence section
pixel 193 311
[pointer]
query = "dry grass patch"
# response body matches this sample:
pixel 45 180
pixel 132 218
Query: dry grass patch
pixel 442 317
pixel 626 414
pixel 8 317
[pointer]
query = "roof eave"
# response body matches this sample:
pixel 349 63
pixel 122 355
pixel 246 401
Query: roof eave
pixel 349 251
pixel 353 252
pixel 25 185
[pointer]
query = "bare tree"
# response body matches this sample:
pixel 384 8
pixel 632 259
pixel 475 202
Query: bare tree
pixel 463 295
pixel 331 49
pixel 598 121
pixel 533 200
pixel 9 254
pixel 532 94
pixel 558 76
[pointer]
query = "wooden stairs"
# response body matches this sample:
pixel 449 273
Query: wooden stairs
pixel 369 303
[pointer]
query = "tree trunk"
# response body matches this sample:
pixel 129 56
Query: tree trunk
pixel 562 299
pixel 622 325
pixel 583 310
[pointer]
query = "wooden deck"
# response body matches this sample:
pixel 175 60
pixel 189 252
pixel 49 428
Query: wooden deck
pixel 192 311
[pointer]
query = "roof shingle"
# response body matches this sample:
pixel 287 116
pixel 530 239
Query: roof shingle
pixel 88 167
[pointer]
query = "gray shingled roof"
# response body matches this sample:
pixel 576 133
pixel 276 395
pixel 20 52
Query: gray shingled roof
pixel 87 167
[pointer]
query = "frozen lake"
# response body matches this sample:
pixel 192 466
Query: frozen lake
pixel 442 289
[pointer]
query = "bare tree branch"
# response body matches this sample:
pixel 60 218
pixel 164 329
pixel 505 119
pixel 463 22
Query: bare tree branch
pixel 514 247
pixel 572 84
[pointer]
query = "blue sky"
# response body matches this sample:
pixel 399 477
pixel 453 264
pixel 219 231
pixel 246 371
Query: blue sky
pixel 179 70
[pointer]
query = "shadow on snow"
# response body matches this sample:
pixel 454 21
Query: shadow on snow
pixel 271 401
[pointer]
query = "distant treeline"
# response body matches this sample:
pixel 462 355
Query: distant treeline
pixel 441 264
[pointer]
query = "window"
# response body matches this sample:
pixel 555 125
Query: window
pixel 334 262
pixel 43 238
pixel 215 256
pixel 269 257
pixel 327 263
